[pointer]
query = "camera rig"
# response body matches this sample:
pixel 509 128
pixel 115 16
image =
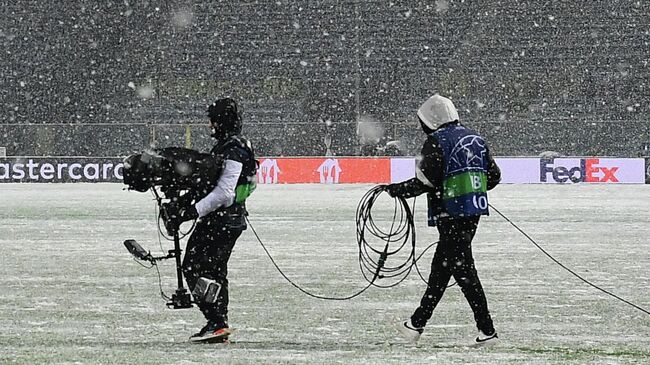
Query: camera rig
pixel 179 175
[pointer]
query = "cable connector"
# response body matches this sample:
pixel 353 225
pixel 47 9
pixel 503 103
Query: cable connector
pixel 380 264
pixel 382 259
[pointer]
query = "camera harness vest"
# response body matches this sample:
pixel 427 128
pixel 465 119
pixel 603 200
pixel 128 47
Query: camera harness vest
pixel 247 179
pixel 465 178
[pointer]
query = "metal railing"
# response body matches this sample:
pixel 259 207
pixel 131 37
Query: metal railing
pixel 506 138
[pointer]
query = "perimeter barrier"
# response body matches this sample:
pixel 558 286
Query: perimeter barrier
pixel 342 170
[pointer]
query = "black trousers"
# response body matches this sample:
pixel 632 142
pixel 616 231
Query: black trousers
pixel 453 257
pixel 206 255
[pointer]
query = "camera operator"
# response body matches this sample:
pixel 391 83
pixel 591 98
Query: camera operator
pixel 222 218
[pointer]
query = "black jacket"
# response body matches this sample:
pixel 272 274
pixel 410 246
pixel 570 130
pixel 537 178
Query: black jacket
pixel 238 149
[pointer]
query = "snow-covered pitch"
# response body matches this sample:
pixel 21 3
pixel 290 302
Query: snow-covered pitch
pixel 70 293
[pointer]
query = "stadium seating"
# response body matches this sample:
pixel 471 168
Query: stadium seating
pixel 109 78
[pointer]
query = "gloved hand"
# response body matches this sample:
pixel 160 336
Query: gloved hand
pixel 394 190
pixel 175 214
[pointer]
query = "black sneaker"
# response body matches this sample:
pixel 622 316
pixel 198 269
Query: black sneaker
pixel 212 333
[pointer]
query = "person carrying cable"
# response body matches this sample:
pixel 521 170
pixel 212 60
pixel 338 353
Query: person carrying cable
pixel 456 170
pixel 221 219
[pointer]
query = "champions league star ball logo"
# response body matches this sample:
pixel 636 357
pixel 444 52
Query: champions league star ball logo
pixel 468 152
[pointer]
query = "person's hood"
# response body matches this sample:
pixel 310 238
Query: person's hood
pixel 436 111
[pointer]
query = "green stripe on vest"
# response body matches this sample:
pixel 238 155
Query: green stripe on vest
pixel 244 191
pixel 464 183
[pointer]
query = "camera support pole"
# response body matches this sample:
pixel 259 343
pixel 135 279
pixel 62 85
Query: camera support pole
pixel 181 298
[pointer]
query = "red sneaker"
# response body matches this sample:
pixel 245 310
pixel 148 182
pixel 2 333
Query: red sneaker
pixel 212 333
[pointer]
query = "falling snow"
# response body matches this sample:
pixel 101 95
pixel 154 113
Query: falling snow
pixel 107 79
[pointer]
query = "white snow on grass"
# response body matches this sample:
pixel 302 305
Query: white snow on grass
pixel 71 293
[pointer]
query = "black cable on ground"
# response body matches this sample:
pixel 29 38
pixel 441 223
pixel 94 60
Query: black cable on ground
pixel 296 285
pixel 566 268
pixel 372 261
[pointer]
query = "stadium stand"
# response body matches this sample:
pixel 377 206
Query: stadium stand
pixel 108 78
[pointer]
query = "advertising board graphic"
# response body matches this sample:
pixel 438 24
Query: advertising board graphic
pixel 551 171
pixel 268 171
pixel 61 169
pixel 343 170
pixel 591 170
pixel 324 170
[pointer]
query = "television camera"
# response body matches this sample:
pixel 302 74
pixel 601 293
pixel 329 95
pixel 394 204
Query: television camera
pixel 175 176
